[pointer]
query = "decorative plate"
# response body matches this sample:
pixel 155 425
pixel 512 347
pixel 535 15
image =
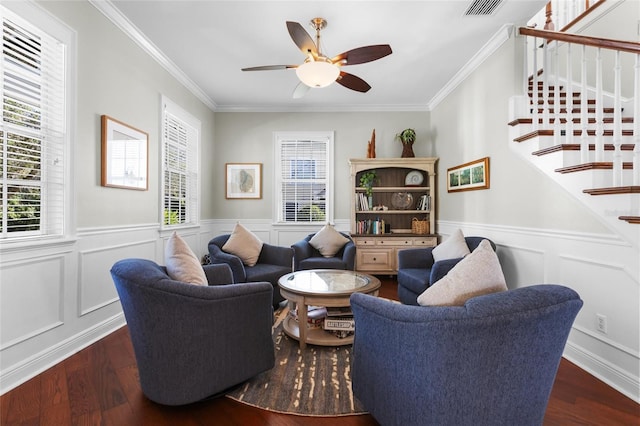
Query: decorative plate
pixel 401 200
pixel 414 178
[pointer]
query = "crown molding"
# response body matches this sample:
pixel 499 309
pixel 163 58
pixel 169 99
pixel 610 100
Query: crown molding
pixel 498 39
pixel 114 15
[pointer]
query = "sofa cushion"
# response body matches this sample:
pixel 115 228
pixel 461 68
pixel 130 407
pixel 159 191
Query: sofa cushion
pixel 244 244
pixel 477 274
pixel 453 247
pixel 182 263
pixel 328 241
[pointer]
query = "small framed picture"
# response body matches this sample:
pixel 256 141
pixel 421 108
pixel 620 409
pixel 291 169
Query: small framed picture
pixel 124 155
pixel 469 176
pixel 243 180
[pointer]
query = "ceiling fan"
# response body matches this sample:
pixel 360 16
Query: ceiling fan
pixel 319 70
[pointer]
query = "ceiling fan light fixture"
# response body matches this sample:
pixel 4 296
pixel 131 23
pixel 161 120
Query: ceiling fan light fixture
pixel 317 73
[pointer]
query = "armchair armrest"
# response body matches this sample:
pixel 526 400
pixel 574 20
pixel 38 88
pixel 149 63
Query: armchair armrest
pixel 219 273
pixel 237 267
pixel 301 250
pixel 442 268
pixel 415 258
pixel 349 255
pixel 276 255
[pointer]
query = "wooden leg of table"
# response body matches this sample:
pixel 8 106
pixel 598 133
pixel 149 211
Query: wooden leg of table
pixel 302 324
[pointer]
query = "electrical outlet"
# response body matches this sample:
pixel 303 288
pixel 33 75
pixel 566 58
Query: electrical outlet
pixel 601 323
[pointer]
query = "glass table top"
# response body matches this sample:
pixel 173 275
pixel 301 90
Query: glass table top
pixel 328 281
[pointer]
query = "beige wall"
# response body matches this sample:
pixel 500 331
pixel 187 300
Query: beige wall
pixel 248 137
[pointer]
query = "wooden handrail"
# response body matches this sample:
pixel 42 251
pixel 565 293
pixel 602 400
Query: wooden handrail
pixel 605 43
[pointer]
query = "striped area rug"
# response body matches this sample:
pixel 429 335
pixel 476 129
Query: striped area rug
pixel 315 381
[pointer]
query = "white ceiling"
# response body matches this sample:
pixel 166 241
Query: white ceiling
pixel 211 40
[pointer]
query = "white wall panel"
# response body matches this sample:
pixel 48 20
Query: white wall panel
pixel 33 292
pixel 96 287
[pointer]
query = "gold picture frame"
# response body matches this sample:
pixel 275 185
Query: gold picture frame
pixel 125 155
pixel 469 176
pixel 243 180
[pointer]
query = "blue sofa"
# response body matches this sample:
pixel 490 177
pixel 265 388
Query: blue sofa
pixel 191 341
pixel 492 361
pixel 274 262
pixel 417 270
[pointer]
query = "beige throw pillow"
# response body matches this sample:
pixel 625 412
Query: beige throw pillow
pixel 328 241
pixel 182 263
pixel 244 244
pixel 454 247
pixel 477 274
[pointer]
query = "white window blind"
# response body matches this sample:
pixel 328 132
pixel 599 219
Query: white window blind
pixel 304 165
pixel 181 134
pixel 33 130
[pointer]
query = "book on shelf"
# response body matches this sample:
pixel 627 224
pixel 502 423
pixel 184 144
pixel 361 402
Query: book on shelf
pixel 340 334
pixel 341 311
pixel 424 203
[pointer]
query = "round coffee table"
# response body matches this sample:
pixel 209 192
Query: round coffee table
pixel 321 287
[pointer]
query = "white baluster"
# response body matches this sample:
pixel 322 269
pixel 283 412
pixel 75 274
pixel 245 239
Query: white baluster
pixel 545 84
pixel 534 87
pixel 617 124
pixel 599 110
pixel 636 123
pixel 557 127
pixel 569 98
pixel 584 116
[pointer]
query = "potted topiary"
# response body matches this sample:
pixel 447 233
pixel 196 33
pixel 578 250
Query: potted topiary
pixel 407 137
pixel 366 181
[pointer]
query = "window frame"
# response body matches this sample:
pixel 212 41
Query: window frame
pixel 192 173
pixel 35 16
pixel 281 137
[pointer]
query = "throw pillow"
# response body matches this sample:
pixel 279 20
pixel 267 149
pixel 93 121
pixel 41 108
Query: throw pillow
pixel 328 241
pixel 477 274
pixel 182 263
pixel 244 244
pixel 454 247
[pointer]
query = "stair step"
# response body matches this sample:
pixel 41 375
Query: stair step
pixel 613 190
pixel 551 101
pixel 577 110
pixel 536 133
pixel 591 120
pixel 561 94
pixel 605 165
pixel 631 219
pixel 576 147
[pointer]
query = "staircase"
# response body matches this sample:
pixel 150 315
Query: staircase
pixel 585 140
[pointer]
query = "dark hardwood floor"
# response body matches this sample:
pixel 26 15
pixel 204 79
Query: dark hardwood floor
pixel 99 386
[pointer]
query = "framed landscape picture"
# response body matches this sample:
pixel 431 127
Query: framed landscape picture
pixel 469 176
pixel 243 180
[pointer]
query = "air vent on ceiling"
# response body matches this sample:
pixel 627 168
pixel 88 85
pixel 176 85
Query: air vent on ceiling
pixel 482 7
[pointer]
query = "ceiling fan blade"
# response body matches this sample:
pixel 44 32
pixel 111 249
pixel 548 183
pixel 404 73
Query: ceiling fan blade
pixel 352 82
pixel 363 54
pixel 270 68
pixel 300 90
pixel 302 39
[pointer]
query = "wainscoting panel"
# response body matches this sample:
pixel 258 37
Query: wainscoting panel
pixel 96 287
pixel 34 292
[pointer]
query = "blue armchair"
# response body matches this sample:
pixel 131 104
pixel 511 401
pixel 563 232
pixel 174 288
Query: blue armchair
pixel 306 257
pixel 191 341
pixel 274 262
pixel 492 361
pixel 417 269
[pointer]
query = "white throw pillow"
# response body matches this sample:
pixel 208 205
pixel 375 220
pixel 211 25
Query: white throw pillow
pixel 182 263
pixel 244 244
pixel 454 247
pixel 328 241
pixel 477 274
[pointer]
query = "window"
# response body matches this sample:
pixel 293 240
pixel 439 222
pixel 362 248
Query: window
pixel 33 133
pixel 180 168
pixel 304 170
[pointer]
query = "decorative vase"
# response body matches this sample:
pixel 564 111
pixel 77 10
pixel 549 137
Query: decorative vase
pixel 370 201
pixel 407 150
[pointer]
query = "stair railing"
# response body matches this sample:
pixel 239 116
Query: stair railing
pixel 553 114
